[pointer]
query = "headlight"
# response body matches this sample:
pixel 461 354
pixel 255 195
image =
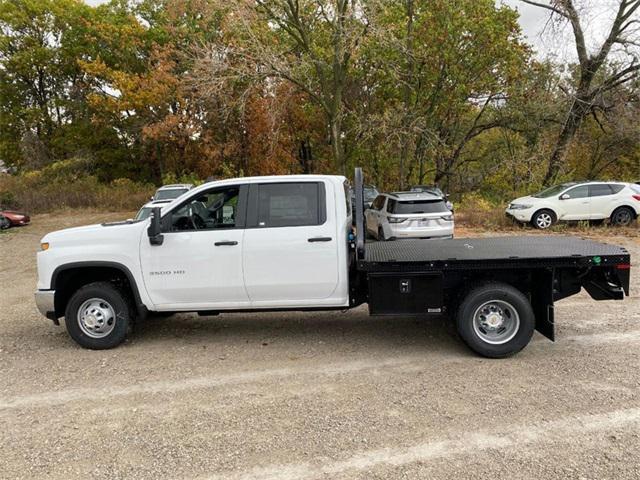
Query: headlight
pixel 396 220
pixel 519 206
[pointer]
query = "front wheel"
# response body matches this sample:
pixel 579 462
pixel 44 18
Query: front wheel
pixel 98 316
pixel 543 219
pixel 495 320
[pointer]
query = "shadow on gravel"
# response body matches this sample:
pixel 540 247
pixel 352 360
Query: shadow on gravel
pixel 292 329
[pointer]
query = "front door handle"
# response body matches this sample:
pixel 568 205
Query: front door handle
pixel 319 239
pixel 226 242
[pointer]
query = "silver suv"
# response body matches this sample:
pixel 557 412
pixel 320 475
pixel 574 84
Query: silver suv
pixel 409 215
pixel 169 192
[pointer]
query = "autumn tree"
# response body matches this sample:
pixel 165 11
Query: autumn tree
pixel 445 72
pixel 589 89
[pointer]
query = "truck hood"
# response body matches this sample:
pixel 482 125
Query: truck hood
pixel 92 233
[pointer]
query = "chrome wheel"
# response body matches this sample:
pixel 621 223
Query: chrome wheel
pixel 622 217
pixel 496 322
pixel 544 220
pixel 96 318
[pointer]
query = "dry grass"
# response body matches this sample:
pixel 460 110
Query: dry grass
pixel 37 195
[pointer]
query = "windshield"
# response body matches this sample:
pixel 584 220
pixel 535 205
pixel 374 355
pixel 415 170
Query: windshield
pixel 169 194
pixel 370 194
pixel 143 214
pixel 555 190
pixel 416 206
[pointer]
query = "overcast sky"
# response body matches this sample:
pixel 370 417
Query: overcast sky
pixel 540 33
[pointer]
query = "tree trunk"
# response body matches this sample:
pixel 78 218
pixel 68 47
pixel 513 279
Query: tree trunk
pixel 578 111
pixel 406 96
pixel 335 130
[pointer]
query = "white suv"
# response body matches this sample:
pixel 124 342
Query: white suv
pixel 409 215
pixel 169 192
pixel 594 201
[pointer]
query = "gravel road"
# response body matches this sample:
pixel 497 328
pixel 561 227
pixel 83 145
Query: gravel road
pixel 313 395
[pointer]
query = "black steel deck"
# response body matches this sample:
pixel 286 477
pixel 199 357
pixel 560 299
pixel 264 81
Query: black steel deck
pixel 497 252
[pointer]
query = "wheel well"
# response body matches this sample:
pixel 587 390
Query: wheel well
pixel 555 216
pixel 628 207
pixel 68 280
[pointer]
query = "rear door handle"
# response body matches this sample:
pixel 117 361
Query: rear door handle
pixel 319 239
pixel 226 242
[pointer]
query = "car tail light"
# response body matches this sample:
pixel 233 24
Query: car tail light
pixel 623 266
pixel 637 197
pixel 448 218
pixel 396 220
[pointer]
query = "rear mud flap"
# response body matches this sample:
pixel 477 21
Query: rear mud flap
pixel 542 303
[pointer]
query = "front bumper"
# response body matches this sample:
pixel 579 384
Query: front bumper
pixel 523 216
pixel 45 301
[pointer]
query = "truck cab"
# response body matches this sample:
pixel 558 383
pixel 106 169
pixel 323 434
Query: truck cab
pixel 287 243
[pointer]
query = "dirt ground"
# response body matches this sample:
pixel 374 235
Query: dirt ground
pixel 313 395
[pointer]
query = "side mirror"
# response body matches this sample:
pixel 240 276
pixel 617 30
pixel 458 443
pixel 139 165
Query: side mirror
pixel 565 196
pixel 155 228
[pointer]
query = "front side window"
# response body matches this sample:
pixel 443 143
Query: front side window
pixel 551 191
pixel 291 204
pixel 216 209
pixel 578 192
pixel 600 190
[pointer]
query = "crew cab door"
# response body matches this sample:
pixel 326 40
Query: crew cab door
pixel 199 264
pixel 290 249
pixel 575 204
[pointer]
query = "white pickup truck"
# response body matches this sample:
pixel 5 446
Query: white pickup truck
pixel 288 243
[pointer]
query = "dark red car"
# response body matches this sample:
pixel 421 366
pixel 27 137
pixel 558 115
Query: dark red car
pixel 15 219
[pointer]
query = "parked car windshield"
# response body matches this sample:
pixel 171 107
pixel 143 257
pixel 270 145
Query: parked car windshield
pixel 416 206
pixel 555 190
pixel 370 194
pixel 143 213
pixel 169 194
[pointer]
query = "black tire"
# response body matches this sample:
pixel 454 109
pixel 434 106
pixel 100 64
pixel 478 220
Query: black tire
pixel 4 223
pixel 484 297
pixel 113 298
pixel 381 236
pixel 539 219
pixel 622 217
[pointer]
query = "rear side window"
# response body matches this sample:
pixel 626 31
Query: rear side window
pixel 291 204
pixel 347 196
pixel 416 206
pixel 616 187
pixel 600 190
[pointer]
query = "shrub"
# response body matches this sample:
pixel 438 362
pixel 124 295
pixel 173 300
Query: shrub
pixel 57 188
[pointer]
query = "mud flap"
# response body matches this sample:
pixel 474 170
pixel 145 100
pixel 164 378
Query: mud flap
pixel 542 302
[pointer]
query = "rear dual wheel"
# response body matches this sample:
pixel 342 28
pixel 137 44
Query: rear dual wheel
pixel 495 320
